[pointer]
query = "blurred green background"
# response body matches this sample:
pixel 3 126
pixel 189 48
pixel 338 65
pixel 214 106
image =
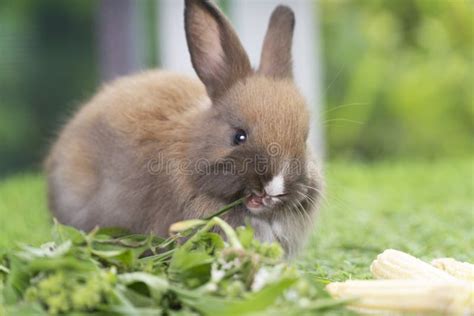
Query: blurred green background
pixel 398 76
pixel 403 72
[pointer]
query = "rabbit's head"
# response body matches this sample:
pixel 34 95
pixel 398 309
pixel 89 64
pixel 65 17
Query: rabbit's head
pixel 252 140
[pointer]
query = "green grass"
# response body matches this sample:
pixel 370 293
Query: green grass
pixel 24 216
pixel 423 208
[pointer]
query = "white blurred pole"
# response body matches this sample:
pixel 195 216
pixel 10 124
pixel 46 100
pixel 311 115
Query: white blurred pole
pixel 251 17
pixel 173 48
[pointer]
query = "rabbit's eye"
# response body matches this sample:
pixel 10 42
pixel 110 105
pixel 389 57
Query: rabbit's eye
pixel 240 137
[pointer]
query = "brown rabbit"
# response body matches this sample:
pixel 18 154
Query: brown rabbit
pixel 155 148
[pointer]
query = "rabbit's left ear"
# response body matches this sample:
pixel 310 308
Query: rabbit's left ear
pixel 276 60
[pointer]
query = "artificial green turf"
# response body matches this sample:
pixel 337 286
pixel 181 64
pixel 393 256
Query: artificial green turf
pixel 423 208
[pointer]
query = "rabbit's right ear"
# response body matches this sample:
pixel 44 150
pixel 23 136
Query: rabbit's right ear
pixel 216 52
pixel 276 60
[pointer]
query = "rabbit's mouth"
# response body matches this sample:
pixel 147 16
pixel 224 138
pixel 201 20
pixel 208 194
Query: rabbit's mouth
pixel 254 203
pixel 258 202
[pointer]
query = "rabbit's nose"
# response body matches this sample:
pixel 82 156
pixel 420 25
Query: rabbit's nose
pixel 276 186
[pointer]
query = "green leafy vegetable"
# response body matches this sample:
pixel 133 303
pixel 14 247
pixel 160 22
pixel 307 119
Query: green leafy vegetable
pixel 194 272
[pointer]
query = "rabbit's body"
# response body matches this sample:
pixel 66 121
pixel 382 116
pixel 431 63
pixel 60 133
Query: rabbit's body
pixel 101 169
pixel 155 148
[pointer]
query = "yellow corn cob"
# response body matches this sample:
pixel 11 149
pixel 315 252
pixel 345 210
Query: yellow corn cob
pixel 389 297
pixel 458 269
pixel 394 264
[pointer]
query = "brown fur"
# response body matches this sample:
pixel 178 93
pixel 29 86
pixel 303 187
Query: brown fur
pixel 276 52
pixel 213 42
pixel 130 157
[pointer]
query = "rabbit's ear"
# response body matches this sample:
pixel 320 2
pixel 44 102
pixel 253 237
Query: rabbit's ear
pixel 276 58
pixel 216 52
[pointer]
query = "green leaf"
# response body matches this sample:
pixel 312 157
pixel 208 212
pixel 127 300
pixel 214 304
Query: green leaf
pixel 24 310
pixel 254 302
pixel 156 286
pixel 246 235
pixel 64 263
pixel 4 269
pixel 192 267
pixel 17 281
pixel 62 233
pixel 123 257
pixel 112 232
pixel 48 250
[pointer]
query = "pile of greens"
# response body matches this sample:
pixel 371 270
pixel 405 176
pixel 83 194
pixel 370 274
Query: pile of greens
pixel 204 268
